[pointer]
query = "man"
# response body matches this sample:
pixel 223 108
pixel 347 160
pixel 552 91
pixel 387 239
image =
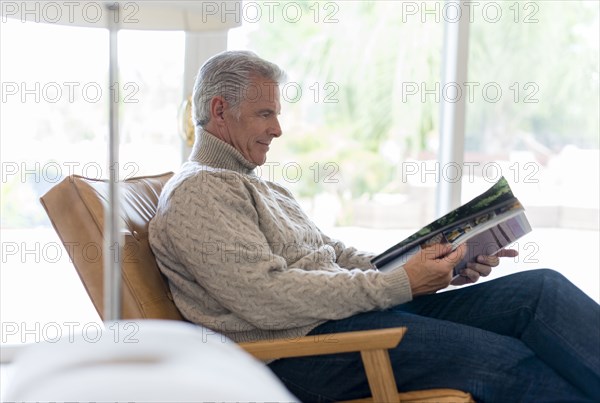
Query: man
pixel 243 259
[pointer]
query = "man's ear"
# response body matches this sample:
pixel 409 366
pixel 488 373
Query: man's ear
pixel 217 109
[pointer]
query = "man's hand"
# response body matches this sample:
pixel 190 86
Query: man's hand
pixel 430 269
pixel 482 267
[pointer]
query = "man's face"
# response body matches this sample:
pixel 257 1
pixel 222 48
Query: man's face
pixel 257 125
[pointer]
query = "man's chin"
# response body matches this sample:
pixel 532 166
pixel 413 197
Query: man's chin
pixel 260 161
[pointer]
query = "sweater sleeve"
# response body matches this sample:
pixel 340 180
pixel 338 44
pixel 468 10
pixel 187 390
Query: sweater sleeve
pixel 217 237
pixel 349 257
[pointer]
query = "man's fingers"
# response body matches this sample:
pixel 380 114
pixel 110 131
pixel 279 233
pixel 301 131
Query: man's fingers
pixel 457 254
pixel 483 269
pixel 437 250
pixel 507 253
pixel 492 261
pixel 472 275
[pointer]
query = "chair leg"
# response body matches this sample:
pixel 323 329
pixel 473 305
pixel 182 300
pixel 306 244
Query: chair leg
pixel 380 375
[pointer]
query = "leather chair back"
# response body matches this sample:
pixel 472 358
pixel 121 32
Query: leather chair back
pixel 76 209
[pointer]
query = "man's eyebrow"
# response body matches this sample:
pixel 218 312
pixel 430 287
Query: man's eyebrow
pixel 263 110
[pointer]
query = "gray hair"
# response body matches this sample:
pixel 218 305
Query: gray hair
pixel 229 75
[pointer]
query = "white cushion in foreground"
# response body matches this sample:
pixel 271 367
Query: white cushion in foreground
pixel 147 360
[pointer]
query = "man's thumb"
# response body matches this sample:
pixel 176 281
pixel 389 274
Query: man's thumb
pixel 437 250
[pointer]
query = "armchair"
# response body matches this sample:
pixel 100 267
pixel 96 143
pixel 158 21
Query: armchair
pixel 76 209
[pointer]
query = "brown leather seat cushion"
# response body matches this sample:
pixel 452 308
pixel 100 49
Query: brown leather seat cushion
pixel 76 209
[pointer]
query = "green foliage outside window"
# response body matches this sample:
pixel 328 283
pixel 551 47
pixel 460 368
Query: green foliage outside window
pixel 370 53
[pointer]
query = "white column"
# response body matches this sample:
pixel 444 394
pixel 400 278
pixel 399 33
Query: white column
pixel 199 47
pixel 113 241
pixel 452 114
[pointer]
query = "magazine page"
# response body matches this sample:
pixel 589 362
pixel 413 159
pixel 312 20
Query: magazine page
pixel 463 231
pixel 512 226
pixel 498 196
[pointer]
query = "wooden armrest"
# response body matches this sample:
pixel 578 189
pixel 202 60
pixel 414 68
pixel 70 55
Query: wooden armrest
pixel 372 344
pixel 380 339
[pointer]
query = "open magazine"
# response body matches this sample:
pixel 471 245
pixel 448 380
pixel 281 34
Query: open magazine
pixel 487 224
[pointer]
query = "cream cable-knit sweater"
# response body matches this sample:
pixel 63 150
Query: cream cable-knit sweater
pixel 243 259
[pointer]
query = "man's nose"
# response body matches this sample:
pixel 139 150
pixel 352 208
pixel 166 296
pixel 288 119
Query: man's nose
pixel 276 130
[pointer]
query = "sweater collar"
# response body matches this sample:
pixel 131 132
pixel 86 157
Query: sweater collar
pixel 214 152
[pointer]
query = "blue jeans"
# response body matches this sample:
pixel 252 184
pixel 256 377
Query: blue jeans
pixel 527 337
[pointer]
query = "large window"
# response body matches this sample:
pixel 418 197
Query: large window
pixel 54 123
pixel 351 115
pixel 533 117
pixel 361 117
